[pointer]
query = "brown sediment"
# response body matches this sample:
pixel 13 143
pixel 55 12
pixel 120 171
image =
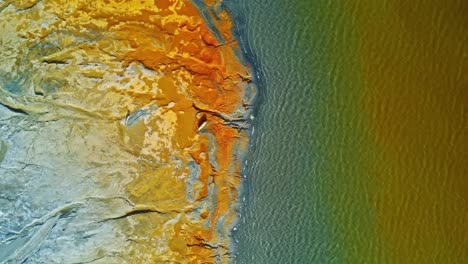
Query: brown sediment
pixel 174 93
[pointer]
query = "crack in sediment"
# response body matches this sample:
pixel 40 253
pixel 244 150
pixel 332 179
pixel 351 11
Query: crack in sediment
pixel 14 109
pixel 132 213
pixel 140 211
pixel 39 106
pixel 112 255
pixel 207 245
pixel 238 123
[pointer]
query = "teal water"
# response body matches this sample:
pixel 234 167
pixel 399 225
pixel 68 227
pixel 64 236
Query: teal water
pixel 358 154
pixel 280 223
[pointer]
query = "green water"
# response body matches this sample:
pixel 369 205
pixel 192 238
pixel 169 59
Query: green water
pixel 287 218
pixel 359 152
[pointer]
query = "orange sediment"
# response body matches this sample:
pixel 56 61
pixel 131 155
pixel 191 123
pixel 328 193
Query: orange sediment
pixel 175 92
pixel 202 78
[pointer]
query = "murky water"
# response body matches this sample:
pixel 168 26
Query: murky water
pixel 360 139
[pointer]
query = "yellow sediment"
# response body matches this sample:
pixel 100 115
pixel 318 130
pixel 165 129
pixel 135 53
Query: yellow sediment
pixel 160 57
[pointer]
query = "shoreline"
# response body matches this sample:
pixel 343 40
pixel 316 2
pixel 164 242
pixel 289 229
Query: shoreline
pixel 247 58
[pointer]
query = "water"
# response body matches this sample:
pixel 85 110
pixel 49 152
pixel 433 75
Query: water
pixel 359 153
pixel 279 226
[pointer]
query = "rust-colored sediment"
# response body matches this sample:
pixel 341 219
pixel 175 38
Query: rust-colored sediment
pixel 203 82
pixel 109 60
